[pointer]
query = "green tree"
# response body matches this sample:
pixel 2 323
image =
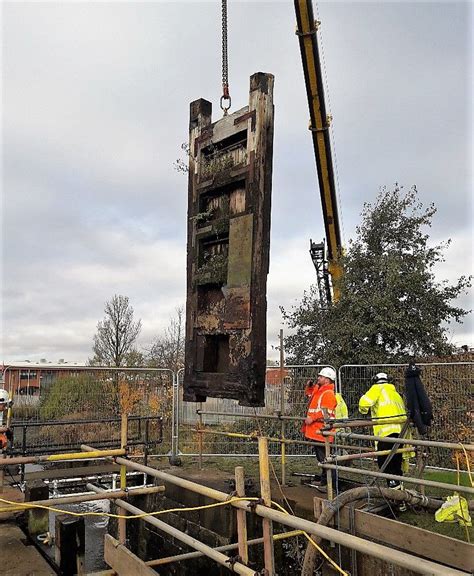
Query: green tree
pixel 116 334
pixel 83 395
pixel 134 359
pixel 391 306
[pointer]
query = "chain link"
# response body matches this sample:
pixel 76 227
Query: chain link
pixel 225 63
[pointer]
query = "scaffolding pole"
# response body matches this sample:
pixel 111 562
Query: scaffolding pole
pixel 407 479
pixel 89 455
pixel 410 441
pixel 76 499
pixel 379 551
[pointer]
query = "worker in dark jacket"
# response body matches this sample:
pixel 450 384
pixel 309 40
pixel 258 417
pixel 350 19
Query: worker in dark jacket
pixel 419 406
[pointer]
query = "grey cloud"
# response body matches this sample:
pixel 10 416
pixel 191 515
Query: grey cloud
pixel 95 108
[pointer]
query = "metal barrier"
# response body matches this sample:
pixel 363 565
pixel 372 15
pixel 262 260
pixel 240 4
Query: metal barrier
pixel 450 387
pixel 289 383
pixel 144 432
pixel 94 393
pixel 83 405
pixel 62 436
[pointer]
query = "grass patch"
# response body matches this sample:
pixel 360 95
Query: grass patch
pixel 447 476
pixel 426 520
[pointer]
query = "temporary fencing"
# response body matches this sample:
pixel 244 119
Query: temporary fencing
pixel 450 387
pixel 84 404
pixel 83 400
pixel 284 394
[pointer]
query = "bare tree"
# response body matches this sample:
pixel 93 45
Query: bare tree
pixel 167 350
pixel 116 333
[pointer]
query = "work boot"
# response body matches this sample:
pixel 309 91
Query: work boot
pixel 314 482
pixel 402 506
pixel 394 484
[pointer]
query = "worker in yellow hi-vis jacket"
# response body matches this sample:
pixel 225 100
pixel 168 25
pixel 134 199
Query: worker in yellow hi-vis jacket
pixel 384 402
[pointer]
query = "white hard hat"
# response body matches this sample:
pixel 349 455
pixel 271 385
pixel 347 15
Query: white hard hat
pixel 3 395
pixel 381 377
pixel 328 372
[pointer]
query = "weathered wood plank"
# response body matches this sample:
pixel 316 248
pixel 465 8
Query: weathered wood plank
pixel 225 127
pixel 422 542
pixel 443 549
pixel 122 561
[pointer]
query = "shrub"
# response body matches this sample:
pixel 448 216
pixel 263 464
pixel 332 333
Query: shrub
pixel 84 395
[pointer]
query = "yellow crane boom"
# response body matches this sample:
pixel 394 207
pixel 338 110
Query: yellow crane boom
pixel 319 126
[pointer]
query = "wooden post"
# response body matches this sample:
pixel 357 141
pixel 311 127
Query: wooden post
pixel 38 519
pixel 327 450
pixel 282 410
pixel 70 544
pixel 2 474
pixel 241 516
pixel 122 561
pixel 200 436
pixel 420 466
pixel 267 524
pixel 318 507
pixel 122 523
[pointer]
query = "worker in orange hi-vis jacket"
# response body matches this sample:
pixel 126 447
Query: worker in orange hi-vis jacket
pixel 5 433
pixel 322 396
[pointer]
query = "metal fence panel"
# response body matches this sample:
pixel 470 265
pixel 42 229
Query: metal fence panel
pixel 450 387
pixel 86 404
pixel 294 404
pixel 98 394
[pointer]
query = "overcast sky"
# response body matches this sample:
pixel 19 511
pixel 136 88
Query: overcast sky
pixel 95 106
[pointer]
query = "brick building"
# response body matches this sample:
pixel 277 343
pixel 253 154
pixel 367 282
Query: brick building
pixel 27 378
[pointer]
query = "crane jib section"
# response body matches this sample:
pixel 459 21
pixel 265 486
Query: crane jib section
pixel 307 35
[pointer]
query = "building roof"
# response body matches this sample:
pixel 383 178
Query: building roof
pixel 42 365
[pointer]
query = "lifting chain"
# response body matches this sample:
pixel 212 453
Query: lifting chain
pixel 225 98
